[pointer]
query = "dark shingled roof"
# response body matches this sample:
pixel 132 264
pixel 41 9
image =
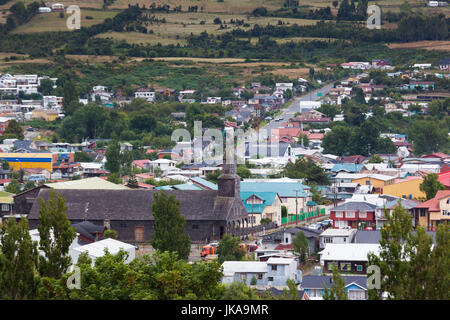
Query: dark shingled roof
pixel 374 236
pixel 137 204
pixel 88 229
pixel 317 282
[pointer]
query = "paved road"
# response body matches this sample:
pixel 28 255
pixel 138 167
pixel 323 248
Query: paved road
pixel 295 107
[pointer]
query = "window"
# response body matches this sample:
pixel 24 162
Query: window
pixel 260 276
pixel 5 207
pixel 274 267
pixel 270 279
pixel 356 295
pixel 243 276
pixel 345 266
pixel 327 240
pixel 195 226
pixel 339 214
pixel 350 214
pixel 363 214
pixel 422 212
pixel 359 268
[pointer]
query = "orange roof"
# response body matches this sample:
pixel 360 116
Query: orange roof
pixel 444 178
pixel 433 204
pixel 316 136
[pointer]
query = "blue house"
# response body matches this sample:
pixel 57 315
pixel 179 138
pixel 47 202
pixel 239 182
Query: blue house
pixel 347 167
pixel 355 286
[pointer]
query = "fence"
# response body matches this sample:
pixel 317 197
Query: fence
pixel 303 216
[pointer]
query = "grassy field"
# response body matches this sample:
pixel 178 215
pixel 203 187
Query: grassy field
pixel 53 22
pixel 425 45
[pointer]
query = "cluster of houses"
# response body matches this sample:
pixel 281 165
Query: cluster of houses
pixel 56 7
pixel 12 106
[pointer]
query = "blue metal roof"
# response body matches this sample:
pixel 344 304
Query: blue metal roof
pixel 203 182
pixel 349 167
pixel 267 197
pixel 284 189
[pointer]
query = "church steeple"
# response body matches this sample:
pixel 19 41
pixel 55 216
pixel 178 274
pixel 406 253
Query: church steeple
pixel 228 184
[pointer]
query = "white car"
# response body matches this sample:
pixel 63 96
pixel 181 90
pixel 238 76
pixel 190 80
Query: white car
pixel 313 226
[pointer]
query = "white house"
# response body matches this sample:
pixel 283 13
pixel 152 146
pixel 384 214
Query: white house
pixel 213 100
pixel 45 10
pixel 284 86
pixel 145 94
pixel 97 249
pixel 163 164
pixel 336 236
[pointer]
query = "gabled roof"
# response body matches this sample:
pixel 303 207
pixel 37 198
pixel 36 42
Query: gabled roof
pixel 204 184
pixel 94 183
pixel 355 206
pixel 318 282
pixel 433 204
pixel 137 204
pixel 348 167
pixel 267 197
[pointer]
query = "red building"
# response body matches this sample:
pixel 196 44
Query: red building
pixel 356 215
pixel 4 124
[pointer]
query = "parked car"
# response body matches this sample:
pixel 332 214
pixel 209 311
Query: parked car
pixel 30 129
pixel 313 226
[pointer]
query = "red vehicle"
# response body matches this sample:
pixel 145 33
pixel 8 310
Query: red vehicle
pixel 206 250
pixel 251 247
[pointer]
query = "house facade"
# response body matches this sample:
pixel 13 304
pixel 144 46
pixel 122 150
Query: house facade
pixel 353 215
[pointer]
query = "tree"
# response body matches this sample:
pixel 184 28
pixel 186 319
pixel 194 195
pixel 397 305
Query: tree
pixel 306 169
pixel 303 139
pixel 301 245
pixel 427 137
pixel 410 268
pixel 56 235
pixel 132 182
pixel 291 293
pixel 83 156
pixel 18 261
pixel 169 226
pixel 431 185
pixel 229 249
pixel 110 234
pixel 13 187
pixel 70 96
pixel 337 288
pixel 14 128
pixel 28 185
pixel 113 158
pixel 375 159
pixel 335 4
pixel 46 87
pixel 243 172
pixel 239 291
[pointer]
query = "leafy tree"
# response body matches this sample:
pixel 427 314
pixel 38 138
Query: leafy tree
pixel 243 172
pixel 431 185
pixel 239 291
pixel 410 268
pixel 69 97
pixel 337 289
pixel 303 137
pixel 14 128
pixel 28 185
pixel 18 261
pixel 427 137
pixel 46 87
pixel 284 212
pixel 169 226
pixel 113 158
pixel 301 245
pixel 114 178
pixel 56 235
pixel 375 159
pixel 13 187
pixel 132 182
pixel 291 293
pixel 306 169
pixel 213 176
pixel 110 234
pixel 229 250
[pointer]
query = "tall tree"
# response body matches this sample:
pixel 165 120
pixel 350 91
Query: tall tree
pixel 229 250
pixel 56 235
pixel 14 128
pixel 301 245
pixel 337 288
pixel 410 268
pixel 169 234
pixel 18 261
pixel 431 185
pixel 427 137
pixel 70 97
pixel 113 158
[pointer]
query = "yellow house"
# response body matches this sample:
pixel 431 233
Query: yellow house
pixel 378 181
pixel 435 211
pixel 405 188
pixel 47 115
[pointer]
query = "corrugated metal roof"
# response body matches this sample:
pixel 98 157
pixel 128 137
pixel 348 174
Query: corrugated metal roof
pixel 94 183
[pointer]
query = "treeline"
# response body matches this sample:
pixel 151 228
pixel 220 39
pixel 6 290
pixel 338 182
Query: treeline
pixel 317 14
